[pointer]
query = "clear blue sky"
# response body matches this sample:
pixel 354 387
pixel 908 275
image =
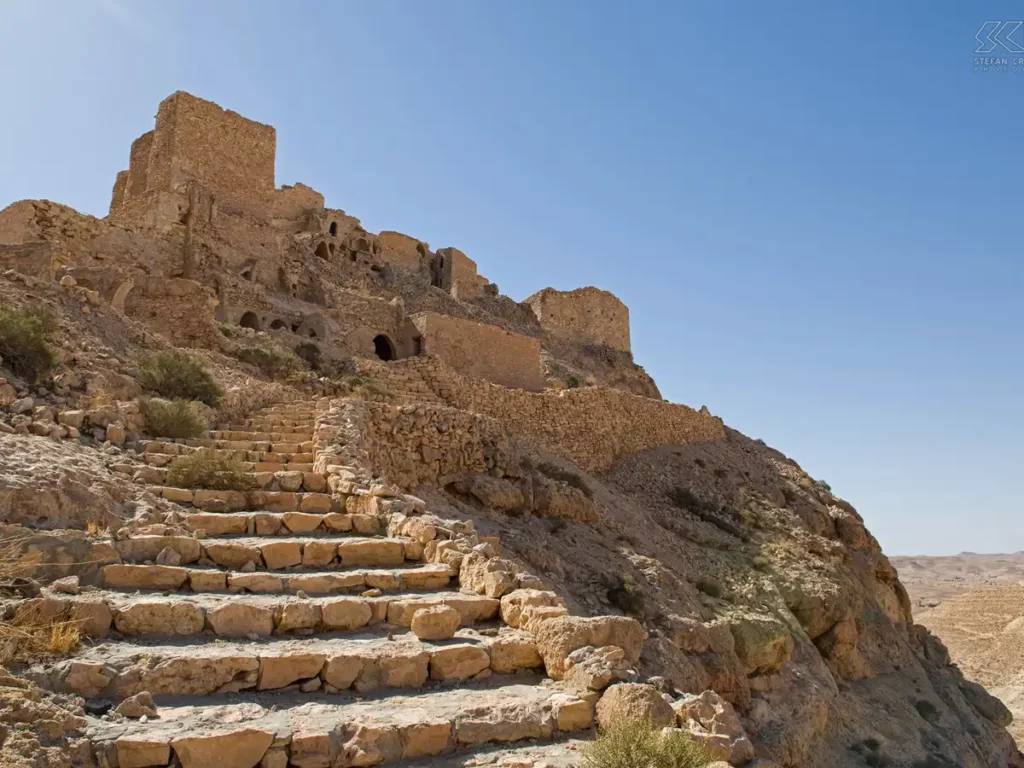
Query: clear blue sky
pixel 813 210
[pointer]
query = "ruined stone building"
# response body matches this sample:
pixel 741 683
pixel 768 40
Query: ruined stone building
pixel 199 233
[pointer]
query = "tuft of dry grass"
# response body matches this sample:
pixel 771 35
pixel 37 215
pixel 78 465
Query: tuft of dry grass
pixel 173 418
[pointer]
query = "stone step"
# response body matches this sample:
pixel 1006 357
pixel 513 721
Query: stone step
pixel 255 500
pixel 364 662
pixel 320 730
pixel 264 477
pixel 257 436
pixel 273 553
pixel 263 523
pixel 99 611
pixel 429 577
pixel 240 451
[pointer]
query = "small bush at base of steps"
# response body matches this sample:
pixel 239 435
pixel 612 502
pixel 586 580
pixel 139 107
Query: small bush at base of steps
pixel 173 418
pixel 634 743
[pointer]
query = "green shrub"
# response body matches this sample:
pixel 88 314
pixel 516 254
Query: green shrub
pixel 25 342
pixel 572 382
pixel 227 330
pixel 272 363
pixel 177 376
pixel 173 418
pixel 684 498
pixel 624 594
pixel 311 354
pixel 206 468
pixel 631 743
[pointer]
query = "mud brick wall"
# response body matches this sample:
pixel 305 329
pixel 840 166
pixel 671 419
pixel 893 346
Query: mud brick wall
pixel 586 314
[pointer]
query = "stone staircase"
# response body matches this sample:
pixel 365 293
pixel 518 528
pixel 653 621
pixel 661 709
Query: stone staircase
pixel 286 627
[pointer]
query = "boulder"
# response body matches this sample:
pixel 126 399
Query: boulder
pixel 240 619
pixel 513 604
pixel 142 752
pixel 436 623
pixel 512 650
pixel 594 669
pixel 558 637
pixel 458 662
pixel 634 701
pixel 139 705
pixel 237 749
pixel 712 721
pixel 762 643
pixel 346 613
pixel 279 671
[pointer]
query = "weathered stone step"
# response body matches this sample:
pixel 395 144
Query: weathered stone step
pixel 218 524
pixel 164 578
pixel 265 477
pixel 182 615
pixel 236 501
pixel 364 662
pixel 319 730
pixel 274 553
pixel 298 436
pixel 252 452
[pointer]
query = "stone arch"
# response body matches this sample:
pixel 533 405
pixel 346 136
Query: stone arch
pixel 279 325
pixel 334 229
pixel 250 320
pixel 383 347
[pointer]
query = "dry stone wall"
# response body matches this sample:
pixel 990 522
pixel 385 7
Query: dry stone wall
pixel 592 426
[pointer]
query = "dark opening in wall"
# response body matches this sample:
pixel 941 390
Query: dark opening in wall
pixel 250 320
pixel 417 345
pixel 330 247
pixel 295 327
pixel 312 333
pixel 279 325
pixel 334 229
pixel 321 250
pixel 383 347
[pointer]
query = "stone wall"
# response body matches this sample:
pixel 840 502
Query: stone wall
pixel 586 314
pixel 592 426
pixel 482 351
pixel 412 444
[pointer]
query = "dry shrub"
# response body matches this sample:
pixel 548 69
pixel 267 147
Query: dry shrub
pixel 175 375
pixel 206 468
pixel 632 743
pixel 271 363
pixel 173 418
pixel 25 347
pixel 363 387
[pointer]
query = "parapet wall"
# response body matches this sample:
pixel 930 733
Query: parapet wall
pixel 593 426
pixel 586 314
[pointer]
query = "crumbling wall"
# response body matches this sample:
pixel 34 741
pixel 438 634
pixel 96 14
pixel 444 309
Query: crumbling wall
pixel 482 351
pixel 593 426
pixel 456 273
pixel 400 250
pixel 182 311
pixel 585 314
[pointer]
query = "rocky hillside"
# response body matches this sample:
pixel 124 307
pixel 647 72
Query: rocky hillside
pixel 326 616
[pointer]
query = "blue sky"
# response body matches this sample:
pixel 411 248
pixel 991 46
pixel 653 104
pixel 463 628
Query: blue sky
pixel 812 209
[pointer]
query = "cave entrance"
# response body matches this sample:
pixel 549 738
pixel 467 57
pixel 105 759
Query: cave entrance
pixel 250 320
pixel 383 347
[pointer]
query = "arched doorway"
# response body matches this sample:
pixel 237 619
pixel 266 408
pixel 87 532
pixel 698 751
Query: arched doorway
pixel 250 320
pixel 279 325
pixel 383 347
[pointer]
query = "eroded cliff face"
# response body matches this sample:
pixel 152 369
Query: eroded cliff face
pixel 757 582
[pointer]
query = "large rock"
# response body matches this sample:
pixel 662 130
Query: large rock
pixel 514 603
pixel 285 669
pixel 144 576
pixel 762 643
pixel 458 662
pixel 281 554
pixel 237 749
pixel 229 554
pixel 436 623
pixel 240 619
pixel 558 637
pixel 381 552
pixel 346 613
pixel 157 617
pixel 511 651
pixel 594 669
pixel 712 721
pixel 634 701
pixel 142 752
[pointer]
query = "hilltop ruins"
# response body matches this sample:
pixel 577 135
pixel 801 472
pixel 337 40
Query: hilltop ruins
pixel 427 524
